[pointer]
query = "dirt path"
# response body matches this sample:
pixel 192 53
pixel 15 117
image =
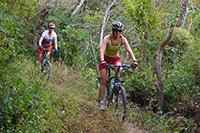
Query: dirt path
pixel 131 128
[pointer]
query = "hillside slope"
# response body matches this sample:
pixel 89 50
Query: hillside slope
pixel 76 106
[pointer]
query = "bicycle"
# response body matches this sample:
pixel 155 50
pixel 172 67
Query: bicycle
pixel 117 93
pixel 45 64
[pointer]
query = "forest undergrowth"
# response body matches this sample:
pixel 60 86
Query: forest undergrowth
pixel 74 99
pixel 68 102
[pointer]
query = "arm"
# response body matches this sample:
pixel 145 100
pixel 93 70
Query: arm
pixel 40 41
pixel 55 43
pixel 103 47
pixel 128 49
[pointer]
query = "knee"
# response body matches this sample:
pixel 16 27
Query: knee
pixel 103 80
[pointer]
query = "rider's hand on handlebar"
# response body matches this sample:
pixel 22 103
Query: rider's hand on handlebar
pixel 56 53
pixel 134 64
pixel 41 48
pixel 104 64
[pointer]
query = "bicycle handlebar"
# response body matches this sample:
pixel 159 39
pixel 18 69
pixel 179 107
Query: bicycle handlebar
pixel 44 49
pixel 123 66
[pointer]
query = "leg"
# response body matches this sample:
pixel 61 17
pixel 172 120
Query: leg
pixel 48 53
pixel 118 64
pixel 40 54
pixel 39 59
pixel 103 79
pixel 49 48
pixel 102 90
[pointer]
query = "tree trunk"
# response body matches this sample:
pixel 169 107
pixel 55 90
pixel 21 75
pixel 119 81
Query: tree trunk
pixel 39 22
pixel 183 14
pixel 105 21
pixel 94 56
pixel 77 8
pixel 160 85
pixel 180 23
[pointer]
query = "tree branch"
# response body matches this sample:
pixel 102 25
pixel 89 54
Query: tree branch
pixel 183 13
pixel 77 8
pixel 161 45
pixel 105 21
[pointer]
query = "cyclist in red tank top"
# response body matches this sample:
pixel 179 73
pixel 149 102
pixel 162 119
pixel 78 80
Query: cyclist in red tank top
pixel 109 54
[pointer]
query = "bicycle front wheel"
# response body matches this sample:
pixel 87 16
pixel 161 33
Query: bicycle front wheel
pixel 46 68
pixel 121 102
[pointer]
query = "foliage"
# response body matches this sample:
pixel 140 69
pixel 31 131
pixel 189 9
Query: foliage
pixel 142 12
pixel 180 81
pixel 24 106
pixel 20 108
pixel 68 101
pixel 76 42
pixel 181 39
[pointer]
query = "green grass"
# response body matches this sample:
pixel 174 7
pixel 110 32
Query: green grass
pixel 68 103
pixel 73 101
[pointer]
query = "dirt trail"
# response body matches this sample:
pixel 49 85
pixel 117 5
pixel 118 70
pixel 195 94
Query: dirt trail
pixel 131 128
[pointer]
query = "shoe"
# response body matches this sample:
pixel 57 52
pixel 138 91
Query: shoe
pixel 101 105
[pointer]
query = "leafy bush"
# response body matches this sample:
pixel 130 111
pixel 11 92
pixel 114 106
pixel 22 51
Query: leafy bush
pixel 24 105
pixel 75 42
pixel 181 39
pixel 180 80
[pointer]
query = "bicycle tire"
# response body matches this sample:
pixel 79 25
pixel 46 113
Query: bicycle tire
pixel 122 101
pixel 46 68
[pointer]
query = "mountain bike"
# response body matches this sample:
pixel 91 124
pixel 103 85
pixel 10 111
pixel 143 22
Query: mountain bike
pixel 115 89
pixel 45 64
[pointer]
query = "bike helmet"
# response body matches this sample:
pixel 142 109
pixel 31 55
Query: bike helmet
pixel 117 25
pixel 51 25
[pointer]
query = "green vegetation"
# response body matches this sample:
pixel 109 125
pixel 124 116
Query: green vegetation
pixel 68 101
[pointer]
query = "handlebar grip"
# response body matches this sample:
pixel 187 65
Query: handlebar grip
pixel 43 49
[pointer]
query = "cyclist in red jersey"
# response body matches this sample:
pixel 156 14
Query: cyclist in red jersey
pixel 48 37
pixel 109 54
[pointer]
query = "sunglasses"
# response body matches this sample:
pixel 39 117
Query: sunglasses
pixel 51 28
pixel 117 30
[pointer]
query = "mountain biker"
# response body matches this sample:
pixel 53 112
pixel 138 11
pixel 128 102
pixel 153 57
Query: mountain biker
pixel 47 38
pixel 109 54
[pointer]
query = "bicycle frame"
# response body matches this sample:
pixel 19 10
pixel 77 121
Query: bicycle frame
pixel 118 88
pixel 45 64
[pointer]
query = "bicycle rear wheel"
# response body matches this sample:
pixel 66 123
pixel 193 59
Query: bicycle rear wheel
pixel 121 102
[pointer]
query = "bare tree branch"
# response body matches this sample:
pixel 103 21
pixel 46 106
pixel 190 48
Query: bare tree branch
pixel 94 56
pixel 105 21
pixel 183 14
pixel 160 85
pixel 39 22
pixel 77 8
